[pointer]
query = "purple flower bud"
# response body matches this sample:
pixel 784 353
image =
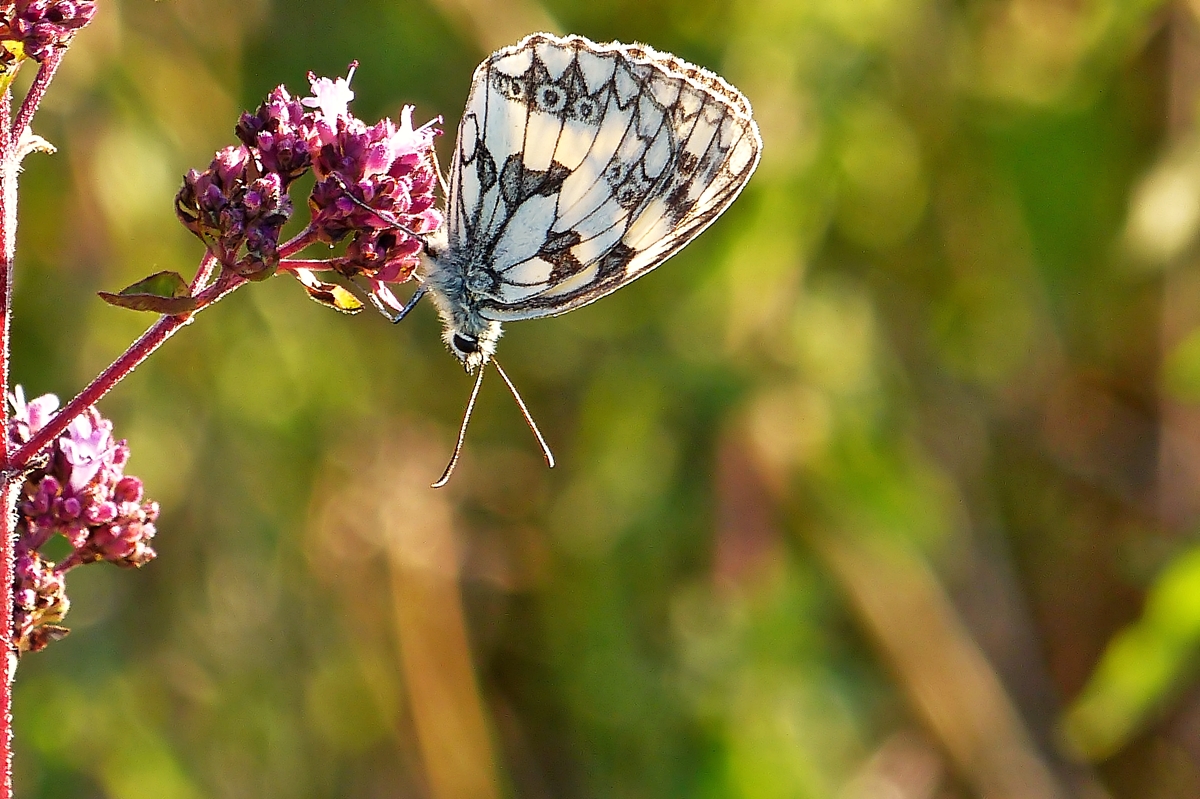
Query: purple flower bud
pixel 374 184
pixel 279 129
pixel 76 532
pixel 42 500
pixel 83 494
pixel 100 512
pixel 40 600
pixel 128 489
pixel 390 169
pixel 71 508
pixel 234 204
pixel 385 256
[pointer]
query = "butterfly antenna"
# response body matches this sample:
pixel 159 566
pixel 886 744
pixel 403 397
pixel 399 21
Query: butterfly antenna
pixel 462 431
pixel 546 453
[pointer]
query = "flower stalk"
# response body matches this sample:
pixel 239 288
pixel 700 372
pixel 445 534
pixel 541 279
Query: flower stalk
pixel 9 482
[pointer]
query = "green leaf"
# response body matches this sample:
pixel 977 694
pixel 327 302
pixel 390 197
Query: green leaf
pixel 163 292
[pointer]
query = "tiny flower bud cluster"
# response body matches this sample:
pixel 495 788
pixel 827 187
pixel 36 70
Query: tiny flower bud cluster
pixel 40 27
pixel 81 492
pixel 375 187
pixel 233 204
pixel 39 603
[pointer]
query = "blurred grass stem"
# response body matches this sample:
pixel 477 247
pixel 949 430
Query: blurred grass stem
pixel 424 555
pixel 948 679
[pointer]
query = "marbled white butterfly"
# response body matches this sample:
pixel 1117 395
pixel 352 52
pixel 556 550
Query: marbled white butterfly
pixel 578 168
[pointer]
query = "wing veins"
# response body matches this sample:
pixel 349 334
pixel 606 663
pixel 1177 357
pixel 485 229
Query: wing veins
pixel 615 100
pixel 677 215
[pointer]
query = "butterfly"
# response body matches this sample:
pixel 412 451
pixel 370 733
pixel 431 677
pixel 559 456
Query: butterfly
pixel 578 168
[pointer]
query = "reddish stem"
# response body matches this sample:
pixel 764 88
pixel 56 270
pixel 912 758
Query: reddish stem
pixel 67 563
pixel 8 248
pixel 129 360
pixel 9 485
pixel 298 242
pixel 10 491
pixel 37 91
pixel 204 273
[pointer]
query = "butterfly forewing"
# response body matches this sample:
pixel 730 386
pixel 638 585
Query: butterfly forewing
pixel 579 167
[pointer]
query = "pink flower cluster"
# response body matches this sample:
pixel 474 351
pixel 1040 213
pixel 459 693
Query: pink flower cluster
pixel 375 186
pixel 81 492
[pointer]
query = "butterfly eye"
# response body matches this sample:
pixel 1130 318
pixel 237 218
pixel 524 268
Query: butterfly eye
pixel 465 343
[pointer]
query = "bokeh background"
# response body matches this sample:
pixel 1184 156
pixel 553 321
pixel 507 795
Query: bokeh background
pixel 887 487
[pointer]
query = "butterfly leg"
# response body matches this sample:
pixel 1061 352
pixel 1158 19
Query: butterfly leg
pixel 388 312
pixel 395 317
pixel 437 168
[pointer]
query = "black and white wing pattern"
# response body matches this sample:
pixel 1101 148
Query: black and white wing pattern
pixel 581 166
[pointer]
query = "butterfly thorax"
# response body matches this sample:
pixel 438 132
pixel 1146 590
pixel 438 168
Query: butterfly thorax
pixel 447 275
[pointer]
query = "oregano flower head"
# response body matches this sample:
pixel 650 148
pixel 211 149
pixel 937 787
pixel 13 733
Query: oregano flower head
pixel 374 189
pixel 82 493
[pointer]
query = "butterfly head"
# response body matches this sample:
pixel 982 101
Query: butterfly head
pixel 472 346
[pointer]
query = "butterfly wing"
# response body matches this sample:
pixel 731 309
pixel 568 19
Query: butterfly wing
pixel 580 167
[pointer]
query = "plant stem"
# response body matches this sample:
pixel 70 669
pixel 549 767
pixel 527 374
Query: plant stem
pixel 207 265
pixel 129 360
pixel 33 98
pixel 9 484
pixel 10 491
pixel 298 242
pixel 8 248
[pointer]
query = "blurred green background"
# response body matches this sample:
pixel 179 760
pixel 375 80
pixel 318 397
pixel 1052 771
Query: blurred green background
pixel 887 487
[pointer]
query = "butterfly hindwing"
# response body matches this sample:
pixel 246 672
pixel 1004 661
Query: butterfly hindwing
pixel 579 167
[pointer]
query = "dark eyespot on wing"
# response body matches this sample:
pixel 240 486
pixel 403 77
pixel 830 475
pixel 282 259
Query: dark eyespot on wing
pixel 518 183
pixel 614 261
pixel 556 250
pixel 485 167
